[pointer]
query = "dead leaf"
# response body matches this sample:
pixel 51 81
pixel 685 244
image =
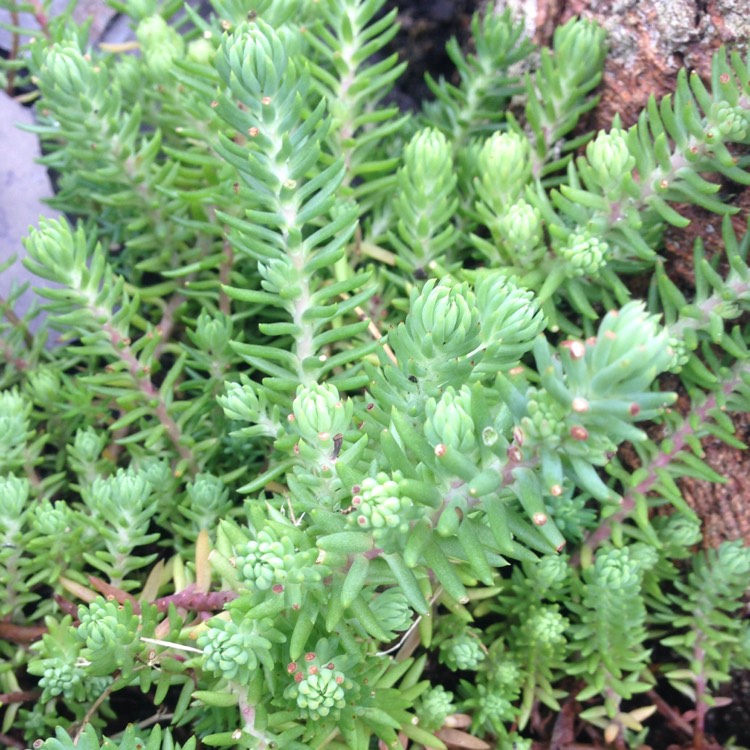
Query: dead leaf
pixel 457 738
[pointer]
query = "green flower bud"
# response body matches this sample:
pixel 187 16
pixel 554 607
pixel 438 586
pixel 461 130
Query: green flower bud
pixel 235 650
pixel 201 51
pixel 212 334
pixel 504 169
pixel 645 556
pixel 444 320
pixel 511 320
pixel 520 227
pixel 448 421
pixel 581 40
pixel 160 43
pixel 274 559
pixel 546 416
pixel 545 628
pixel 392 610
pixel 265 561
pixel 679 530
pixel 44 386
pixel 156 472
pixel 615 571
pixel 111 634
pixel 208 496
pixel 584 254
pixel 51 520
pixel 610 158
pixel 731 121
pixel 462 652
pixel 63 679
pixel 435 707
pixel 319 413
pixel 493 708
pixel 733 560
pixel 319 694
pixel 571 516
pixel 680 354
pixel 320 689
pixel 381 508
pixel 506 673
pixel 14 429
pixel 14 492
pixel 552 571
pixel 88 445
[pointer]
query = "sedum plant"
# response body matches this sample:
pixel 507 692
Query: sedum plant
pixel 328 455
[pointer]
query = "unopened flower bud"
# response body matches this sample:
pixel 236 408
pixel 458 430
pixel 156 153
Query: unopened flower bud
pixel 610 157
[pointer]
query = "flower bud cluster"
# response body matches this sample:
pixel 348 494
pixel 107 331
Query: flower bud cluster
pixel 444 320
pixel 678 531
pixel 392 610
pixel 268 560
pixel 320 689
pixel 236 650
pixel 66 680
pixel 520 229
pixel 426 200
pixel 545 628
pixel 448 421
pixel 212 335
pixel 381 507
pixel 110 632
pixel 610 158
pixel 51 520
pixel 552 571
pixel 505 168
pixel 14 429
pixel 160 43
pixel 208 501
pixel 88 446
pixel 680 354
pixel 436 706
pixel 546 417
pixel 201 51
pixel 585 254
pixel 44 386
pixel 319 413
pixel 14 492
pixel 730 121
pixel 463 651
pixel 493 708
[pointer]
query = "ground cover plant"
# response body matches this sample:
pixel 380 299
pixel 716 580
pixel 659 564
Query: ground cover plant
pixel 329 455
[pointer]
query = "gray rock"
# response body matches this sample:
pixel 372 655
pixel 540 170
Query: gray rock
pixel 23 186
